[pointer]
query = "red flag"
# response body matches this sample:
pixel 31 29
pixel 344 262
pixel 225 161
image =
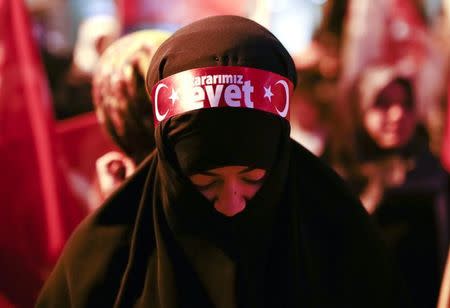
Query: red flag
pixel 32 231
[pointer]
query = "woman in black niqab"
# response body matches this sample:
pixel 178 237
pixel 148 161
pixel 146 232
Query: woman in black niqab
pixel 301 241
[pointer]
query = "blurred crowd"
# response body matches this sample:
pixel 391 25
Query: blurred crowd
pixel 371 101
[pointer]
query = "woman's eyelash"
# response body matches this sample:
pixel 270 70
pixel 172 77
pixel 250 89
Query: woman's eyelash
pixel 251 181
pixel 212 184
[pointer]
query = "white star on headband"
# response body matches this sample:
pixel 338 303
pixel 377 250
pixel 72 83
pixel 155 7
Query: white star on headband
pixel 174 96
pixel 268 93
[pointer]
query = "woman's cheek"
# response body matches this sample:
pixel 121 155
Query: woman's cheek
pixel 210 194
pixel 250 190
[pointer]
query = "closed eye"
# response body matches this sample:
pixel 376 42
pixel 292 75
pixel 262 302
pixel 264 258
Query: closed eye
pixel 253 176
pixel 204 181
pixel 208 186
pixel 250 181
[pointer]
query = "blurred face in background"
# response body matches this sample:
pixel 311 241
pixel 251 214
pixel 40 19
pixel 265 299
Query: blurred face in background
pixel 229 187
pixel 306 113
pixel 391 120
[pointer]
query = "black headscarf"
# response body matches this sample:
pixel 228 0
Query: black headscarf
pixel 302 240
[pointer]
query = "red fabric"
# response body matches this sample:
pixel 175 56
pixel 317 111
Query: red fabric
pixel 38 206
pixel 82 142
pixel 4 303
pixel 31 233
pixel 409 43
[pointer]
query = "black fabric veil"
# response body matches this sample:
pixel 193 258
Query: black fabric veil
pixel 302 240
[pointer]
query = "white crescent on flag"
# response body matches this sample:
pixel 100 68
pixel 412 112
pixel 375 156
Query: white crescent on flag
pixel 160 117
pixel 286 106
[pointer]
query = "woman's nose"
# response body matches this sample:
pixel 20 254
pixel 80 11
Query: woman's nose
pixel 230 201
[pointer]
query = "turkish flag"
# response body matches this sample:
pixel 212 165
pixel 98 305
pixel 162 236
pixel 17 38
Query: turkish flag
pixel 34 222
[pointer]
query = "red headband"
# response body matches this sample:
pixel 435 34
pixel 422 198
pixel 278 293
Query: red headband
pixel 221 86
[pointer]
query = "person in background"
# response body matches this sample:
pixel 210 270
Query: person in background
pixel 319 66
pixel 396 32
pixel 228 211
pixel 400 182
pixel 97 26
pixel 71 35
pixel 311 111
pixel 324 49
pixel 122 107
